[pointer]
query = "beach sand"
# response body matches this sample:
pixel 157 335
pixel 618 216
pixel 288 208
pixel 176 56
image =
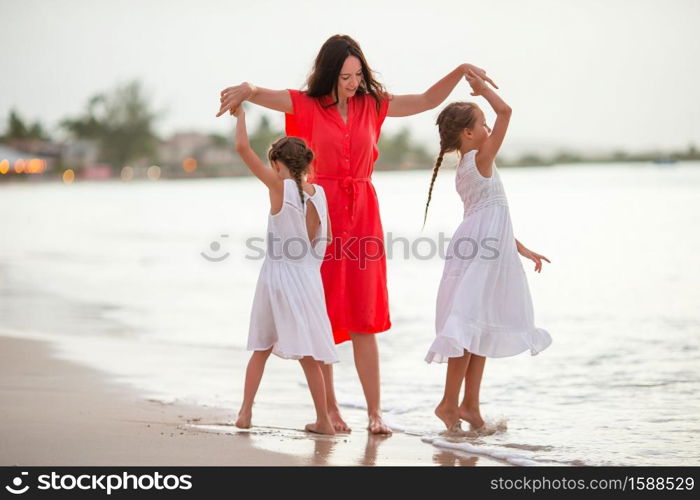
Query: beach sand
pixel 56 412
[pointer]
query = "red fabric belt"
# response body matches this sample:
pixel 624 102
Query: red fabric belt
pixel 348 184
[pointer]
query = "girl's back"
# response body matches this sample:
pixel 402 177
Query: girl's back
pixel 291 234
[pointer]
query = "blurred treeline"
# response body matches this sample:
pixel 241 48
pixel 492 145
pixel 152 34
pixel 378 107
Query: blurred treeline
pixel 121 122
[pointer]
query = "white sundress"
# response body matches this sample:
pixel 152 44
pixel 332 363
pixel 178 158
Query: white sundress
pixel 289 309
pixel 484 303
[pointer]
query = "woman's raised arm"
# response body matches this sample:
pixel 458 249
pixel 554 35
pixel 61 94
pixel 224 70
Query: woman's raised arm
pixel 412 104
pixel 232 97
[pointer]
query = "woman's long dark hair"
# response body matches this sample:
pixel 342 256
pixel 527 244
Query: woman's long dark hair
pixel 323 79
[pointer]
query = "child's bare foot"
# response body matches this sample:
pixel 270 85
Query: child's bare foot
pixel 322 427
pixel 243 420
pixel 471 415
pixel 448 414
pixel 377 426
pixel 337 421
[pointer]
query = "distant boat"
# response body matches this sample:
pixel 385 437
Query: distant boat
pixel 665 160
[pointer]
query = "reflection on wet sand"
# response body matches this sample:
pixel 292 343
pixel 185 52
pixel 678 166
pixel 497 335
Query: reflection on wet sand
pixel 372 447
pixel 447 458
pixel 358 448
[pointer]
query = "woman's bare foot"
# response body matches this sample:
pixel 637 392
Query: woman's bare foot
pixel 377 426
pixel 471 415
pixel 448 414
pixel 337 421
pixel 322 427
pixel 243 420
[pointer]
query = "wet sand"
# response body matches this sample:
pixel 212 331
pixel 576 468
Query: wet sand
pixel 55 412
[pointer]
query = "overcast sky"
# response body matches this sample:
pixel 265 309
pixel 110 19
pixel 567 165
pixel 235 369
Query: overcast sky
pixel 593 74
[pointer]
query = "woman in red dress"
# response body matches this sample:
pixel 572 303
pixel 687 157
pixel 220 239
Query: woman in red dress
pixel 340 116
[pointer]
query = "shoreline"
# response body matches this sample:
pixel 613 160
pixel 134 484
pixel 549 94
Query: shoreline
pixel 217 173
pixel 57 412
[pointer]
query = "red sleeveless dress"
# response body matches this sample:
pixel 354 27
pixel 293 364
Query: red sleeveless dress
pixel 354 269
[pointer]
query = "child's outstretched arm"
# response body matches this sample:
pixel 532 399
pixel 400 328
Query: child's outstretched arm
pixel 487 152
pixel 252 161
pixel 533 256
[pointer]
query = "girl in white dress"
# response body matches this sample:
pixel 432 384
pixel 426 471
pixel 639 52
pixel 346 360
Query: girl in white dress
pixel 484 308
pixel 289 315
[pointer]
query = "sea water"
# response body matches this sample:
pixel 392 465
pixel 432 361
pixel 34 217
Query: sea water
pixel 153 282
